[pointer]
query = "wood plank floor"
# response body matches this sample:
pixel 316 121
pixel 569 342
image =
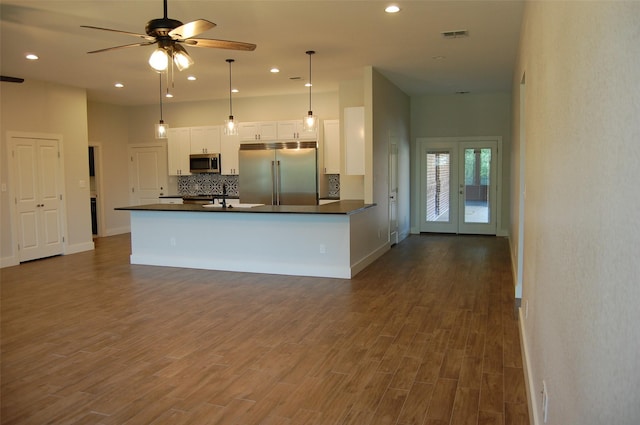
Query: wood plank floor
pixel 426 335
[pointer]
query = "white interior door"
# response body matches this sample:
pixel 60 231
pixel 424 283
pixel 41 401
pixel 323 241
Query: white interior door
pixel 147 174
pixel 458 186
pixel 38 197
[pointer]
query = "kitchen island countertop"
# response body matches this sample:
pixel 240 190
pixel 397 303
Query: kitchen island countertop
pixel 346 207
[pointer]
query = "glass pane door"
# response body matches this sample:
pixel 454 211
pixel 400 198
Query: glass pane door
pixel 438 186
pixel 477 188
pixel 439 209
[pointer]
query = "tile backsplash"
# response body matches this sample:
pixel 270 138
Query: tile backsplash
pixel 206 183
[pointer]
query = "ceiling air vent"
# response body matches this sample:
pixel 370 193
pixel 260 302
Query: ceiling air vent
pixel 455 34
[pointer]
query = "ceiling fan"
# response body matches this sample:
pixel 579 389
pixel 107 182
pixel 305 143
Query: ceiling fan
pixel 168 34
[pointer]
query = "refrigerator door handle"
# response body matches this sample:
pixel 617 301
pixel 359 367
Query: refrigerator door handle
pixel 277 183
pixel 273 181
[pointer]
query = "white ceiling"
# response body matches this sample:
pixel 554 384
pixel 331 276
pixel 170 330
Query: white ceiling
pixel 347 35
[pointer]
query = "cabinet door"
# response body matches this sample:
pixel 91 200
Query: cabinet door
pixel 178 150
pixel 248 131
pixel 268 131
pixel 293 130
pixel 354 140
pixel 229 146
pixel 331 146
pixel 205 139
pixel 265 131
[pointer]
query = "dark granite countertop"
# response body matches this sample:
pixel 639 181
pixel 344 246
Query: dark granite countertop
pixel 339 207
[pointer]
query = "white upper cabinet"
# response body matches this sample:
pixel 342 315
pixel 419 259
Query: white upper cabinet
pixel 331 146
pixel 205 139
pixel 354 140
pixel 178 150
pixel 258 131
pixel 293 130
pixel 229 147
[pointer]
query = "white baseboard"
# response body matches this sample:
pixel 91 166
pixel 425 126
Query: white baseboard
pixel 9 261
pixel 370 258
pixel 117 231
pixel 532 396
pixel 79 247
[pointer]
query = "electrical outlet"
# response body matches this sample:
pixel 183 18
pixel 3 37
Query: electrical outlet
pixel 172 241
pixel 323 248
pixel 545 402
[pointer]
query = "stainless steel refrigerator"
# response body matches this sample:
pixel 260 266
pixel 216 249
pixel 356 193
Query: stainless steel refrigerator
pixel 278 173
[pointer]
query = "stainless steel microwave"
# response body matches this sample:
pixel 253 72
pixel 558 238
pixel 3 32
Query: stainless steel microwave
pixel 204 163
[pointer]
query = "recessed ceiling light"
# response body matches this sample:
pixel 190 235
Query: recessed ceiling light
pixel 169 95
pixel 234 90
pixel 191 78
pixel 119 85
pixel 438 58
pixel 274 70
pixel 392 9
pixel 32 57
pixel 308 85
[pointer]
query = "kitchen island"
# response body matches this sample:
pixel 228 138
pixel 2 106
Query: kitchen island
pixel 332 240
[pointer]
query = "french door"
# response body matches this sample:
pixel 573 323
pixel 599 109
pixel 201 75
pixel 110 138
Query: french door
pixel 458 186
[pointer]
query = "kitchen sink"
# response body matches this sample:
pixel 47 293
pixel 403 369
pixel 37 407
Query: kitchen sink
pixel 232 205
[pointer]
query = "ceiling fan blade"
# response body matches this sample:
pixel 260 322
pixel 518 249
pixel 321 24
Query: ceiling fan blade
pixel 146 37
pixel 122 47
pixel 191 29
pixel 11 79
pixel 220 44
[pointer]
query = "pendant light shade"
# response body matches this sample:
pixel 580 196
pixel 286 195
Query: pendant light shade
pixel 181 58
pixel 310 122
pixel 159 60
pixel 161 128
pixel 230 124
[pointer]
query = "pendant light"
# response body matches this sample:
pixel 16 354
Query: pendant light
pixel 309 122
pixel 161 127
pixel 230 126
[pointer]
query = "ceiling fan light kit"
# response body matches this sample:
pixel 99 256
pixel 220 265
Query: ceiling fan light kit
pixel 159 60
pixel 168 33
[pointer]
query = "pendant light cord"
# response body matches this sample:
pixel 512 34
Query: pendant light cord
pixel 230 61
pixel 160 74
pixel 310 52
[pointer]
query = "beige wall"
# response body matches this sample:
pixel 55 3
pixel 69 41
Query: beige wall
pixel 390 123
pixel 109 129
pixel 38 107
pixel 460 116
pixel 581 229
